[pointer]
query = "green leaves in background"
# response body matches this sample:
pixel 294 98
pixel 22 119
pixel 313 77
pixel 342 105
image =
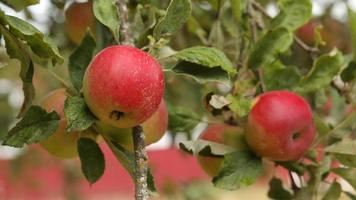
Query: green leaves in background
pixel 344 151
pixel 325 68
pixel 352 25
pixel 206 148
pixel 239 105
pixel 267 48
pixel 106 13
pixel 293 14
pixel 80 59
pixel 35 126
pixel 182 119
pixel 333 192
pixel 19 4
pixel 277 191
pixel 239 168
pixel 349 174
pixel 19 36
pixel 77 114
pixel 176 15
pixel 91 158
pixel 238 7
pixel 349 73
pixel 40 44
pixel 204 64
pixel 288 76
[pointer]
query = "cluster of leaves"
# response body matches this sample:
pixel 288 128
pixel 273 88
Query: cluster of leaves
pixel 235 46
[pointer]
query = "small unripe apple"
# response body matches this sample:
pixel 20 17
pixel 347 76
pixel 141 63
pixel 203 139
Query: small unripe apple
pixel 61 143
pixel 154 128
pixel 280 126
pixel 222 134
pixel 79 17
pixel 123 86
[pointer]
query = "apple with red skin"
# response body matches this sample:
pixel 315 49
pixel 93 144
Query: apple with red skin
pixel 222 134
pixel 61 144
pixel 123 86
pixel 79 16
pixel 333 33
pixel 280 126
pixel 154 128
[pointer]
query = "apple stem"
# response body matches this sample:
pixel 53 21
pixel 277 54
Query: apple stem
pixel 141 167
pixel 124 27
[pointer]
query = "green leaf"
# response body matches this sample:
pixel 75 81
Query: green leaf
pixel 201 74
pixel 176 15
pixel 345 146
pixel 80 59
pixel 78 115
pixel 127 159
pixel 206 56
pixel 349 73
pixel 182 119
pixel 41 45
pixel 321 127
pixel 269 46
pixel 277 191
pixel 350 195
pixel 346 159
pixel 293 14
pixel 206 148
pixel 19 4
pixel 106 13
pixel 16 49
pixel 204 64
pixel 325 68
pixel 91 158
pixel 216 36
pixel 35 126
pixel 334 192
pixel 352 25
pixel 239 168
pixel 239 104
pixel 59 3
pixel 348 174
pixel 238 7
pixel 288 77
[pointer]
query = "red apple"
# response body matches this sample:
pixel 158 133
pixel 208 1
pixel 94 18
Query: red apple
pixel 154 128
pixel 306 32
pixel 333 33
pixel 123 86
pixel 223 134
pixel 61 143
pixel 280 126
pixel 79 16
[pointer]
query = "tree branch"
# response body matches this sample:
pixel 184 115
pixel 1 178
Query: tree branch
pixel 124 27
pixel 138 137
pixel 141 167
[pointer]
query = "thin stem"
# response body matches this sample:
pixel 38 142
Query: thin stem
pixel 141 167
pixel 261 9
pixel 305 46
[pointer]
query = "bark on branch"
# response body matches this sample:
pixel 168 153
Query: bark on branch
pixel 141 167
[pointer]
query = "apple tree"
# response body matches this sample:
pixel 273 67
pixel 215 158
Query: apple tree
pixel 271 88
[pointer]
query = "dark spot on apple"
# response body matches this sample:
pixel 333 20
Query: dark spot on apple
pixel 296 135
pixel 116 115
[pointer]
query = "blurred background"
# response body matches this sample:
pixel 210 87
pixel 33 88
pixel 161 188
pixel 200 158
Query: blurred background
pixel 31 173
